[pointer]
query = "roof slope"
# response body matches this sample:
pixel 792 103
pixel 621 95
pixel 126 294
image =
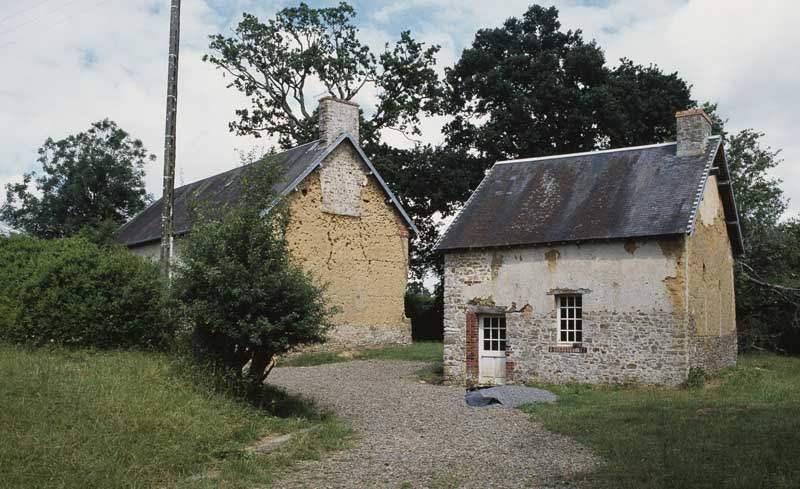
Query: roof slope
pixel 296 164
pixel 624 193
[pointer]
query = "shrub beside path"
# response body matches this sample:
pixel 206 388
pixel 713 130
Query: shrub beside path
pixel 415 435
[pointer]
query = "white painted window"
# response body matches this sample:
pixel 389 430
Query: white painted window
pixel 494 333
pixel 570 318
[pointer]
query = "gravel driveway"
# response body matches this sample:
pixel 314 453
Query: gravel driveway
pixel 424 436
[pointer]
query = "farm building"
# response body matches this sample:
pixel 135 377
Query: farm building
pixel 347 227
pixel 611 266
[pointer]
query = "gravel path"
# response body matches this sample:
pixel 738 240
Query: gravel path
pixel 425 436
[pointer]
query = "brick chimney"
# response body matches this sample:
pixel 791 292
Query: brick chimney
pixel 335 117
pixel 694 128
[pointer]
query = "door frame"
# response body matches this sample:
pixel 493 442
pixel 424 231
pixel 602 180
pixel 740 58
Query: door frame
pixel 491 353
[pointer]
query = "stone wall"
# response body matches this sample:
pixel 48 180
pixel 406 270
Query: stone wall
pixel 634 325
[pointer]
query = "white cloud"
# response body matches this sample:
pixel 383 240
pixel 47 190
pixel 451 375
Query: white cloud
pixel 74 62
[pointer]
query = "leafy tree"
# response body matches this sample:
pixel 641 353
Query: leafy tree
pixel 245 298
pixel 768 276
pixel 274 63
pixel 530 89
pixel 87 179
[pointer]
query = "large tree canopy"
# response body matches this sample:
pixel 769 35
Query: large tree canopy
pixel 529 88
pixel 768 275
pixel 87 179
pixel 279 65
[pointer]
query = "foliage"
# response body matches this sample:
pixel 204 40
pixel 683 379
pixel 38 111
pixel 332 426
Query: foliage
pixel 696 378
pixel 742 430
pixel 768 276
pixel 425 309
pixel 419 351
pixel 530 89
pixel 72 419
pixel 240 290
pixel 88 178
pixel 274 63
pixel 72 292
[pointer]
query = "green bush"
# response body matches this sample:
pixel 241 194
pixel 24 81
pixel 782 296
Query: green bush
pixel 75 293
pixel 239 288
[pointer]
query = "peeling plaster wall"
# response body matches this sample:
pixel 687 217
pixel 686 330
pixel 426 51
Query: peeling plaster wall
pixel 633 300
pixel 363 259
pixel 712 305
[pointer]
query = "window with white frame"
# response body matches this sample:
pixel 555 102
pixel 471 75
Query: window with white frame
pixel 570 318
pixel 494 333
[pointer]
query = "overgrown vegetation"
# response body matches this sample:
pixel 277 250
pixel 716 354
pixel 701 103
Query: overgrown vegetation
pixel 741 430
pixel 75 293
pixel 239 290
pixel 77 419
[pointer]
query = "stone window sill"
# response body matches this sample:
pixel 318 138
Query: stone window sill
pixel 567 349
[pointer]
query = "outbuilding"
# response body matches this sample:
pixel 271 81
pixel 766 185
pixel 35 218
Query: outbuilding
pixel 612 266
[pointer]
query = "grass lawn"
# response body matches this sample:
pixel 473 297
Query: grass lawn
pixel 78 419
pixel 742 430
pixel 422 351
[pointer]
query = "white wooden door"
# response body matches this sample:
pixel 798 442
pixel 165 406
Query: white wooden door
pixel 492 350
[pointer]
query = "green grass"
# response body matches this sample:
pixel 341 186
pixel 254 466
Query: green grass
pixel 742 430
pixel 423 351
pixel 78 419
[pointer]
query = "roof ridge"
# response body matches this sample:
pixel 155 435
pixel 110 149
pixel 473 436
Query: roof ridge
pixel 597 151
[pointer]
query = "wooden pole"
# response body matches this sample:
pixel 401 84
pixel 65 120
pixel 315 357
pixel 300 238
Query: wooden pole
pixel 169 140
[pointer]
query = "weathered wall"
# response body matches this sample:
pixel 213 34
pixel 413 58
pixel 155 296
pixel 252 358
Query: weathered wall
pixel 351 238
pixel 711 296
pixel 633 299
pixel 363 258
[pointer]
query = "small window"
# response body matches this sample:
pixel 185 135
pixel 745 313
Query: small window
pixel 494 333
pixel 570 318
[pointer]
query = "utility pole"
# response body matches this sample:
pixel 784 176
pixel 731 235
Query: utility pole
pixel 168 198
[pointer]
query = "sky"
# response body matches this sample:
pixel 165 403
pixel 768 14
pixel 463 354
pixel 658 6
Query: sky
pixel 68 63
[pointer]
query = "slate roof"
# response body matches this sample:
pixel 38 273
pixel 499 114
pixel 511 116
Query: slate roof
pixel 296 164
pixel 643 191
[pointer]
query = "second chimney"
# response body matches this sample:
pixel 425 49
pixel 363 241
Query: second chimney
pixel 335 117
pixel 694 128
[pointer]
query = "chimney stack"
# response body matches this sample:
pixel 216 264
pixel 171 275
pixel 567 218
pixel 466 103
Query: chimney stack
pixel 335 117
pixel 694 129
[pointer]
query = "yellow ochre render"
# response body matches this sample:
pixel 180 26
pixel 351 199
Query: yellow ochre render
pixel 710 278
pixel 363 260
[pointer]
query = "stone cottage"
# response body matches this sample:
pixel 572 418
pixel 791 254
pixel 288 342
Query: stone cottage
pixel 604 267
pixel 347 227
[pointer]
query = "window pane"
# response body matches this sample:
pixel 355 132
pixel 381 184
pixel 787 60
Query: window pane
pixel 578 336
pixel 486 344
pixel 563 335
pixel 486 322
pixel 503 334
pixel 578 324
pixel 502 346
pixel 494 334
pixel 503 322
pixel 578 312
pixel 578 300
